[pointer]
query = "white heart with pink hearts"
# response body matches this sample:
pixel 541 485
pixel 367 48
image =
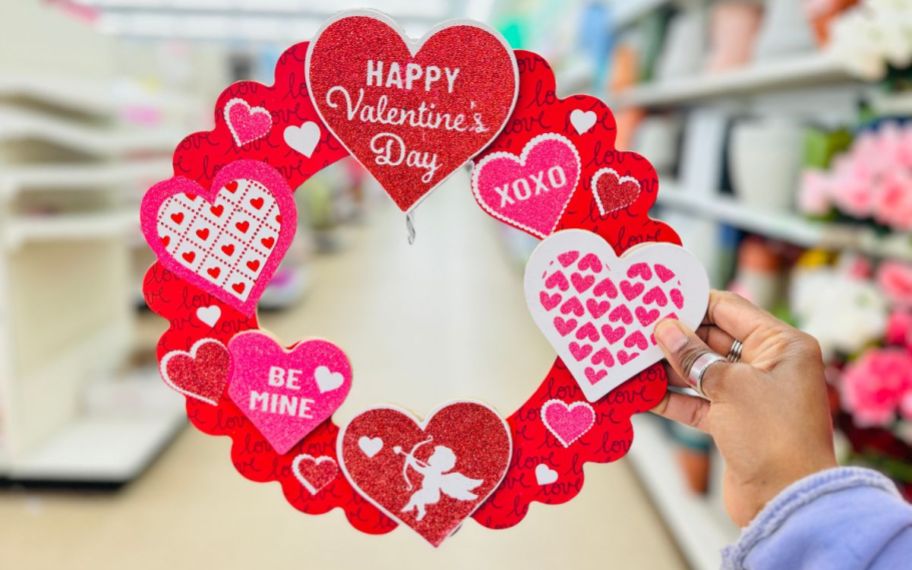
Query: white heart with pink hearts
pixel 599 310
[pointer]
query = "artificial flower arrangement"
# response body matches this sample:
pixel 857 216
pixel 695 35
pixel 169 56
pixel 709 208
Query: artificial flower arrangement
pixel 872 182
pixel 874 39
pixel 868 343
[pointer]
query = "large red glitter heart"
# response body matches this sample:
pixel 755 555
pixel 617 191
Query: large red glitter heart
pixel 429 476
pixel 411 117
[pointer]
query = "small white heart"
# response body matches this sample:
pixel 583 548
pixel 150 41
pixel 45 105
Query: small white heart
pixel 582 121
pixel 209 315
pixel 327 380
pixel 371 446
pixel 545 475
pixel 303 139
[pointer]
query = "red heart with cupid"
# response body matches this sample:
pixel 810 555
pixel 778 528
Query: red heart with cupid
pixel 201 373
pixel 411 112
pixel 613 191
pixel 429 476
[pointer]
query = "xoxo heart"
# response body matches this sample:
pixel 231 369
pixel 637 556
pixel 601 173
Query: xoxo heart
pixel 303 139
pixel 566 422
pixel 201 373
pixel 634 286
pixel 228 240
pixel 612 191
pixel 431 475
pixel 314 473
pixel 246 123
pixel 410 112
pixel 530 191
pixel 277 390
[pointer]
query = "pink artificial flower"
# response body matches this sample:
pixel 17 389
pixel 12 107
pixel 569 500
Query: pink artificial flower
pixel 874 386
pixel 899 328
pixel 814 196
pixel 895 279
pixel 894 200
pixel 852 187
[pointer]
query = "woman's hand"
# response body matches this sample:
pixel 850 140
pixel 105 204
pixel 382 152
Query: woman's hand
pixel 768 414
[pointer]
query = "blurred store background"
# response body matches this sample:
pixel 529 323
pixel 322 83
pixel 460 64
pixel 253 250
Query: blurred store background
pixel 780 129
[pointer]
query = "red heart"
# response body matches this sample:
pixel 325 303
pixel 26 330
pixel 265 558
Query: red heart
pixel 228 249
pixel 268 242
pixel 243 226
pixel 214 272
pixel 189 256
pixel 177 218
pixel 239 287
pixel 429 476
pixel 232 186
pixel 314 473
pixel 202 233
pixel 257 202
pixel 217 210
pixel 166 240
pixel 612 191
pixel 482 93
pixel 253 264
pixel 201 373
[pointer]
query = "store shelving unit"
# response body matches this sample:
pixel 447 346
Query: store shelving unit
pixel 66 320
pixel 809 70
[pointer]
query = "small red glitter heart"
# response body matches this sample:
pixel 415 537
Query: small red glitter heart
pixel 612 191
pixel 201 373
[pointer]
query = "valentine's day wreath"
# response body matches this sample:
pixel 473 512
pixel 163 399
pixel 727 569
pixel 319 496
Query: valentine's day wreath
pixel 412 113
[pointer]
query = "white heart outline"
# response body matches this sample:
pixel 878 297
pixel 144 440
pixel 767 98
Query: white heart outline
pixel 569 408
pixel 163 367
pixel 414 46
pixel 593 186
pixel 422 425
pixel 694 286
pixel 317 460
pixel 523 156
pixel 252 109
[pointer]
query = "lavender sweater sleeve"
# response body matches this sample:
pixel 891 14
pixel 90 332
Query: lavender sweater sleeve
pixel 844 518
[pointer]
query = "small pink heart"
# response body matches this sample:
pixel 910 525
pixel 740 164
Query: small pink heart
pixel 564 327
pixel 597 308
pixel 582 282
pixel 612 335
pixel 572 305
pixel 607 288
pixel 630 290
pixel 580 351
pixel 550 301
pixel 591 262
pixel 246 123
pixel 640 270
pixel 558 280
pixel 566 422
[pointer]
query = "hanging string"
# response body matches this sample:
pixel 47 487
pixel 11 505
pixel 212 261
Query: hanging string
pixel 410 227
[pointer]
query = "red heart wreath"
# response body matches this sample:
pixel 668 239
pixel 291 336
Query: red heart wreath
pixel 536 454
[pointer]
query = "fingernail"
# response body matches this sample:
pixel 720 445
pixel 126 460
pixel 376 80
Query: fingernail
pixel 670 336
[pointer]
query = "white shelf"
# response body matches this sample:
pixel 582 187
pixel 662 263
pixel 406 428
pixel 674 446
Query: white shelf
pixel 800 71
pixel 699 527
pixel 18 124
pixel 104 100
pixel 81 176
pixel 65 227
pixel 786 226
pixel 100 450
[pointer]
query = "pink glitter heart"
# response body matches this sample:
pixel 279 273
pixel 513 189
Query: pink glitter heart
pixel 566 422
pixel 530 191
pixel 287 393
pixel 246 123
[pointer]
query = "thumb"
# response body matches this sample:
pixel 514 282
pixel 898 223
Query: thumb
pixel 682 347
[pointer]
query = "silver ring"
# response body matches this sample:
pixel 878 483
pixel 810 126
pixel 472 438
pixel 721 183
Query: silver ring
pixel 699 368
pixel 734 353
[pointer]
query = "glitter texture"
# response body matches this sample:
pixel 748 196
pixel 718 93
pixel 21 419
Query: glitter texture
pixel 201 373
pixel 612 191
pixel 566 422
pixel 246 123
pixel 483 94
pixel 228 240
pixel 314 473
pixel 530 191
pixel 477 437
pixel 284 393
